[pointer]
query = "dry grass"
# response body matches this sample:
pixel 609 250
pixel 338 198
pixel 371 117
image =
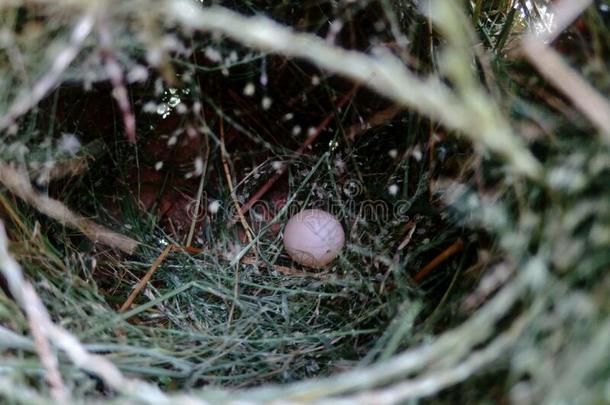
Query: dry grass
pixel 474 148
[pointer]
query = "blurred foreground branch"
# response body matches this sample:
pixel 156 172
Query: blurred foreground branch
pixel 19 184
pixel 552 66
pixel 31 97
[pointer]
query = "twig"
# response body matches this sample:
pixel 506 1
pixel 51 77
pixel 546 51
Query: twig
pixel 60 169
pixel 43 348
pixel 115 72
pixel 70 167
pixel 408 231
pixel 19 184
pixel 142 283
pixel 280 269
pixel 584 97
pixel 7 208
pixel 490 283
pixel 455 247
pixel 242 218
pixel 564 13
pixel 377 119
pixel 189 238
pixel 225 165
pixel 552 66
pixel 64 58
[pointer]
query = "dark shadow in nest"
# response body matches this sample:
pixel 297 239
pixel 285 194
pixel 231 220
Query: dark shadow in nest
pixel 394 160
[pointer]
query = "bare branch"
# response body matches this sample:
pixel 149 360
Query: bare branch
pixel 36 319
pixel 19 184
pixel 26 102
pixel 115 72
pixel 552 66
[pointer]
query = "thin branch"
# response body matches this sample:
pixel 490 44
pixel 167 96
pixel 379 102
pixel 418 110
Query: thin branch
pixel 564 13
pixel 379 118
pixel 18 183
pixel 454 248
pixel 142 283
pixel 555 69
pixel 115 72
pixel 197 207
pixel 36 320
pixel 30 99
pixel 225 165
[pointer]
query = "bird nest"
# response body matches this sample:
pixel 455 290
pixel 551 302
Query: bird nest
pixel 153 152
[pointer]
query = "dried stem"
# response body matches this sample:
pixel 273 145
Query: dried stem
pixel 142 283
pixel 19 184
pixel 66 56
pixel 115 72
pixel 552 66
pixel 455 247
pixel 36 319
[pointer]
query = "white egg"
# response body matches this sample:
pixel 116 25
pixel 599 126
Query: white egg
pixel 313 238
